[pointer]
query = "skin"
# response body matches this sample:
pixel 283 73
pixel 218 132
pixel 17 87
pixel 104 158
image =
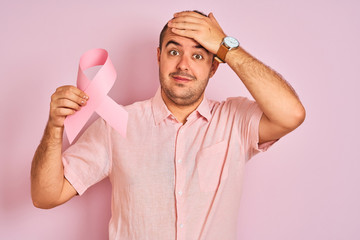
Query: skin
pixel 185 66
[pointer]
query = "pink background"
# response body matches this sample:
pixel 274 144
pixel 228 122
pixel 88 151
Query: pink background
pixel 305 187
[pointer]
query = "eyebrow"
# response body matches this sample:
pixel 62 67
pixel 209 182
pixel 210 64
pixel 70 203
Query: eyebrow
pixel 178 44
pixel 172 42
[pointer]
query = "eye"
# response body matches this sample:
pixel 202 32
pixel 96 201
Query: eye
pixel 174 53
pixel 198 56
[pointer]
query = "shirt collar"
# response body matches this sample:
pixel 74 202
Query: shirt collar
pixel 161 112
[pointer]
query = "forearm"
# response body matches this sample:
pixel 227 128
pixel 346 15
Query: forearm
pixel 274 95
pixel 47 173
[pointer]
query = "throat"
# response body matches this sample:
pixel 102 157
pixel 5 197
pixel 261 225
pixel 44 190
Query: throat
pixel 181 113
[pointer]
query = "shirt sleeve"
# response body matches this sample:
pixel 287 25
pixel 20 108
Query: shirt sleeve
pixel 247 119
pixel 88 161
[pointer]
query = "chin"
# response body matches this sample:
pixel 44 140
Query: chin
pixel 180 94
pixel 184 99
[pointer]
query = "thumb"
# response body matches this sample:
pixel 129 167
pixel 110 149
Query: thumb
pixel 213 19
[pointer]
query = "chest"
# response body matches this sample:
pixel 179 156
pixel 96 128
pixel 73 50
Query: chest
pixel 159 156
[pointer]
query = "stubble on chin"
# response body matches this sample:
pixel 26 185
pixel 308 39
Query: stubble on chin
pixel 185 99
pixel 182 97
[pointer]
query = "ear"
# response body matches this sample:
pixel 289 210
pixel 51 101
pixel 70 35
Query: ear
pixel 158 55
pixel 214 67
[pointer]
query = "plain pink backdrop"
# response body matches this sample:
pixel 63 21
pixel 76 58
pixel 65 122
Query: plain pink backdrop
pixel 305 187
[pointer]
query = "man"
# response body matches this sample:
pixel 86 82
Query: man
pixel 178 173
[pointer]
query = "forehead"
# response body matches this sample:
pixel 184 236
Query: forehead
pixel 184 41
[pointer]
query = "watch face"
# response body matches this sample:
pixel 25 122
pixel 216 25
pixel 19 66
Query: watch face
pixel 231 42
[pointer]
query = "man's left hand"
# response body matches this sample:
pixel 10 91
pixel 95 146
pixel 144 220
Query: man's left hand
pixel 204 30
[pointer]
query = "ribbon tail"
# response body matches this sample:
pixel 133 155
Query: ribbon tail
pixel 74 123
pixel 114 114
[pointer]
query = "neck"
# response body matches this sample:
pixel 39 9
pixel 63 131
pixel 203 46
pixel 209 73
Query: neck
pixel 180 112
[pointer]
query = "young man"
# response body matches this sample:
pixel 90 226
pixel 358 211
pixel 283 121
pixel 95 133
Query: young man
pixel 178 173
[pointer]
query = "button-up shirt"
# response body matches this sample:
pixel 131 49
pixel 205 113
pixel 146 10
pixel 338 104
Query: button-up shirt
pixel 170 180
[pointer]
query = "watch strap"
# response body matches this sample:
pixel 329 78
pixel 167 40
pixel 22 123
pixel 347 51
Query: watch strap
pixel 221 53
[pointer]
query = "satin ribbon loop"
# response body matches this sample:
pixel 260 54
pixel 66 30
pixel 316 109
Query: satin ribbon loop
pixel 97 89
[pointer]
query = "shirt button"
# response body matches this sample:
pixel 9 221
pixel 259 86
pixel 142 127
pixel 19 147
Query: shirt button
pixel 180 193
pixel 179 161
pixel 181 225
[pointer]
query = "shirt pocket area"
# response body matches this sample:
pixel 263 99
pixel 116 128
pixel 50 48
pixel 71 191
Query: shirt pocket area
pixel 210 166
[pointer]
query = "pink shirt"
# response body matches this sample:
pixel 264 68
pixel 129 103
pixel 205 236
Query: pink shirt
pixel 170 180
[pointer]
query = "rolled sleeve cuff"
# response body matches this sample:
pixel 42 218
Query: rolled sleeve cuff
pixel 255 145
pixel 73 178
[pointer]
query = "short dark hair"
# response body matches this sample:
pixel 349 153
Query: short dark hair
pixel 162 33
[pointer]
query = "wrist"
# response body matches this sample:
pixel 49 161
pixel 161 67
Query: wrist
pixel 53 133
pixel 228 43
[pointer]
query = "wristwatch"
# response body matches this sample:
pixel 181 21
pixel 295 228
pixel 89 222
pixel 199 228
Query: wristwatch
pixel 227 44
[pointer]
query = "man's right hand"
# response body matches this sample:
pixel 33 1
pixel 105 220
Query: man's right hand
pixel 49 187
pixel 65 101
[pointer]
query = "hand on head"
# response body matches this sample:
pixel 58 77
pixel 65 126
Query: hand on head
pixel 205 30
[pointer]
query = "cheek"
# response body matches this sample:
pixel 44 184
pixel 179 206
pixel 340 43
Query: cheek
pixel 162 65
pixel 166 64
pixel 202 71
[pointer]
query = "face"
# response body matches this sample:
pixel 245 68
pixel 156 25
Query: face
pixel 184 69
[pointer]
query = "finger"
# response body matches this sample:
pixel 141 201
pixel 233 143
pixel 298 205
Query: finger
pixel 79 92
pixel 71 93
pixel 188 13
pixel 187 19
pixel 72 89
pixel 63 112
pixel 184 32
pixel 74 98
pixel 213 19
pixel 66 103
pixel 184 25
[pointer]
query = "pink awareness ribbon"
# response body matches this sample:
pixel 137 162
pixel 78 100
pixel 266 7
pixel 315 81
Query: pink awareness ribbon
pixel 97 89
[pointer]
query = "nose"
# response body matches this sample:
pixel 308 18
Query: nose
pixel 184 63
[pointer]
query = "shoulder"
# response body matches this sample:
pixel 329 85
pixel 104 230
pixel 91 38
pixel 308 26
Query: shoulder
pixel 139 110
pixel 239 102
pixel 139 105
pixel 233 104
